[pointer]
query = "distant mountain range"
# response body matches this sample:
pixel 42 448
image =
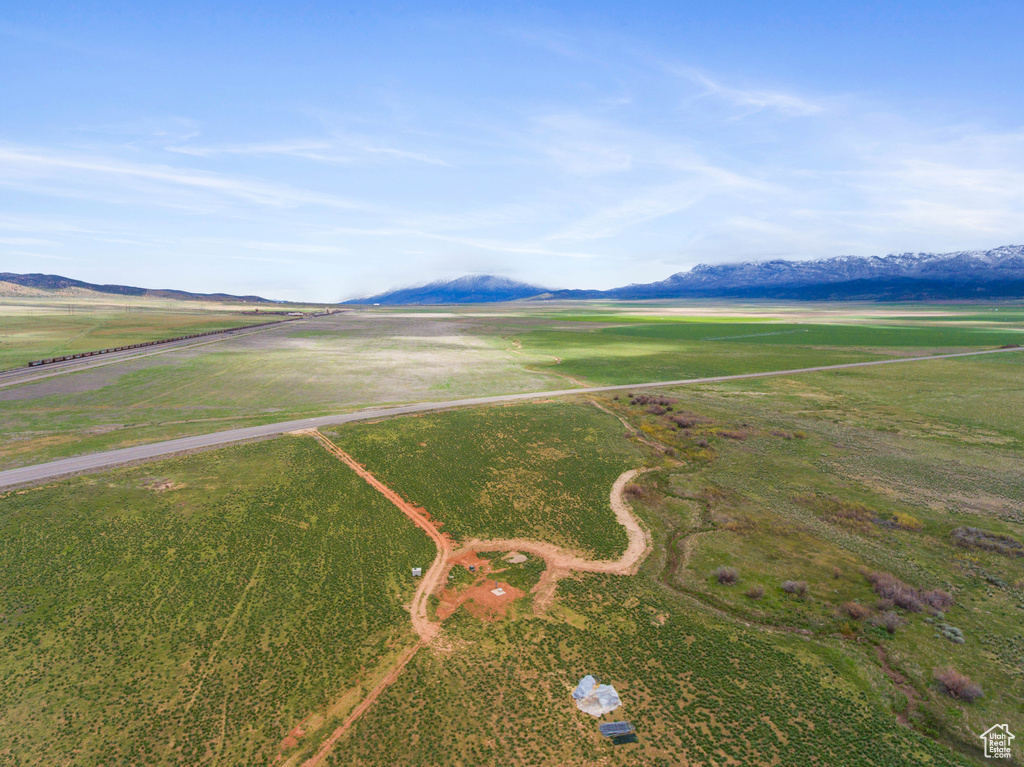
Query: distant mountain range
pixel 56 283
pixel 472 289
pixel 996 273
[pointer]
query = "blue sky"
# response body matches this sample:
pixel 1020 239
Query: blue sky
pixel 327 150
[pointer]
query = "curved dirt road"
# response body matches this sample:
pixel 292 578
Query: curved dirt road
pixel 559 561
pixel 84 463
pixel 637 549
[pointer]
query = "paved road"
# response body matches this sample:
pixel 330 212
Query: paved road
pixel 96 461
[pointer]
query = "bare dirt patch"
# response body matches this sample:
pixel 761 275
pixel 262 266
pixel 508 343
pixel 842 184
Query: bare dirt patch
pixel 479 600
pixel 468 559
pixel 163 485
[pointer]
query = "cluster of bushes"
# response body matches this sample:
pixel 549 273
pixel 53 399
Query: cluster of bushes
pixel 651 399
pixel 730 575
pixel 799 588
pixel 975 538
pixel 888 620
pixel 656 405
pixel 958 685
pixel 952 633
pixel 856 610
pixel 688 420
pixel 640 492
pixel 906 596
pixel 677 421
pixel 883 617
pixel 788 434
pixel 727 574
pixel 855 515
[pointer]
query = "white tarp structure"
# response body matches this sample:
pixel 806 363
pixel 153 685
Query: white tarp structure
pixel 595 699
pixel 584 687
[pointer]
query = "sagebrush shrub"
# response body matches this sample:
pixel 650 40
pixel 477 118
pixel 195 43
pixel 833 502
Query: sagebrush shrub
pixel 890 621
pixel 795 587
pixel 958 685
pixel 856 610
pixel 727 574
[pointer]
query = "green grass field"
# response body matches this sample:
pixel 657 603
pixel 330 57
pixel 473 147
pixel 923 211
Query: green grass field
pixel 193 611
pixel 339 363
pixel 827 477
pixel 640 351
pixel 31 333
pixel 319 366
pixel 541 471
pixel 781 457
pixel 699 691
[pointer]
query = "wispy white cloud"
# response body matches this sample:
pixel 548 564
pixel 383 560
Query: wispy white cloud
pixel 749 100
pixel 402 154
pixel 342 150
pixel 24 241
pixel 584 145
pixel 480 243
pixel 319 150
pixel 268 260
pixel 28 167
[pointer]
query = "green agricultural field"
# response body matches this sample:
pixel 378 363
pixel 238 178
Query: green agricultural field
pixel 193 611
pixel 827 478
pixel 314 367
pixel 638 351
pixel 541 471
pixel 699 691
pixel 362 358
pixel 31 332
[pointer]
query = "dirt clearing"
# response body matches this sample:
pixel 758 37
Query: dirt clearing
pixel 486 599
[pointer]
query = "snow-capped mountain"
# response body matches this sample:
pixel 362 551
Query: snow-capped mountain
pixel 996 273
pixel 471 289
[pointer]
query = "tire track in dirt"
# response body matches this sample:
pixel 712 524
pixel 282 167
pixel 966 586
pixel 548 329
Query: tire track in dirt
pixel 560 562
pixel 328 745
pixel 631 429
pixel 207 665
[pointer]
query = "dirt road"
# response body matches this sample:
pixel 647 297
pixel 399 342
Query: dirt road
pixel 328 744
pixel 85 463
pixel 637 549
pixel 420 622
pixel 559 563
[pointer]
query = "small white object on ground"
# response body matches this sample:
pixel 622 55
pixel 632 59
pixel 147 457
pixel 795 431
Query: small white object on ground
pixel 498 591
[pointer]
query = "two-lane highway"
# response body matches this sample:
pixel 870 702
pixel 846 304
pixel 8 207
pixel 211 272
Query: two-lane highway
pixel 97 461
